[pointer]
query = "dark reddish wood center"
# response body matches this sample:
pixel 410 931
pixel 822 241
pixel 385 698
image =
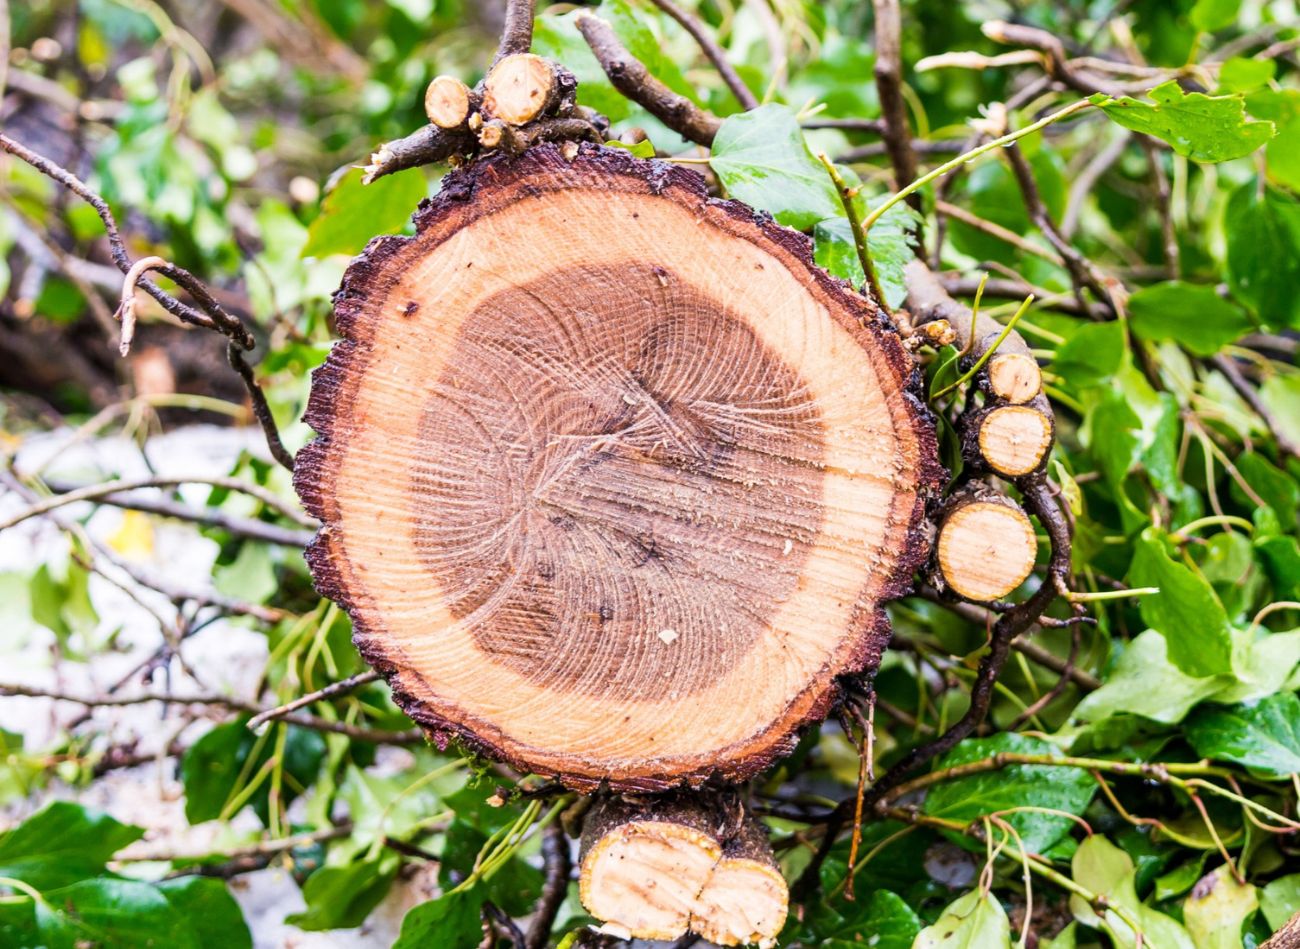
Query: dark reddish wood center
pixel 619 482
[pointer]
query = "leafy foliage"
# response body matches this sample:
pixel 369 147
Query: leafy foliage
pixel 1162 733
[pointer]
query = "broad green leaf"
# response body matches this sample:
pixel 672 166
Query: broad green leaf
pixel 1185 610
pixel 342 897
pixel 889 923
pixel 61 844
pixel 890 242
pixel 1200 127
pixel 1281 393
pixel 1178 881
pixel 212 767
pixel 1144 682
pixel 1240 74
pixel 1280 900
pixel 1092 356
pixel 1192 315
pixel 1216 908
pixel 514 887
pixel 1108 871
pixel 978 795
pixel 1263 234
pixel 353 213
pixel 112 914
pixel 1271 485
pixel 1262 736
pixel 761 158
pixel 973 921
pixel 214 917
pixel 1270 662
pixel 1211 15
pixel 449 922
pixel 1282 108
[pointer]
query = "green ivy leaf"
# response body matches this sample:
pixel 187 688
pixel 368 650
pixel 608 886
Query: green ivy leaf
pixel 352 213
pixel 1263 736
pixel 1282 108
pixel 1192 315
pixel 111 914
pixel 212 766
pixel 1108 871
pixel 761 158
pixel 1263 234
pixel 1185 611
pixel 1211 15
pixel 886 922
pixel 1144 682
pixel 1216 908
pixel 449 922
pixel 889 242
pixel 61 844
pixel 1200 127
pixel 970 798
pixel 973 921
pixel 1280 900
pixel 213 914
pixel 342 897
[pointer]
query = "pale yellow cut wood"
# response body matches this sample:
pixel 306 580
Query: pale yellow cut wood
pixel 518 88
pixel 645 877
pixel 745 902
pixel 446 102
pixel 1014 439
pixel 986 549
pixel 1015 377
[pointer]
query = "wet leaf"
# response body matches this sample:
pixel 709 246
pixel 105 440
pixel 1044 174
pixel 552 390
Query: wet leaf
pixel 1216 909
pixel 973 921
pixel 1192 315
pixel 1200 127
pixel 1263 736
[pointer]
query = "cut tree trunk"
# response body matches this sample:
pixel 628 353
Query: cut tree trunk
pixel 614 481
pixel 656 869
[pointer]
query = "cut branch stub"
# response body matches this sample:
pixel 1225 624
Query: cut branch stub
pixel 655 869
pixel 524 86
pixel 1011 440
pixel 614 480
pixel 447 102
pixel 1015 377
pixel 986 546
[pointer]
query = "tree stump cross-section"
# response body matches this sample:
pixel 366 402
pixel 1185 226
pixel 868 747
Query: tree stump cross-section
pixel 614 481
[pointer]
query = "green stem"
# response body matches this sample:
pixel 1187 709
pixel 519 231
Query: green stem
pixel 1092 597
pixel 967 157
pixel 859 232
pixel 988 353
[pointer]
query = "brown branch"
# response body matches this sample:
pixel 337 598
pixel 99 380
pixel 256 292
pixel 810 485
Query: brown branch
pixel 712 51
pixel 424 146
pixel 1250 394
pixel 557 867
pixel 1056 63
pixel 889 85
pixel 1083 273
pixel 1019 619
pixel 517 35
pixel 630 77
pixel 1003 289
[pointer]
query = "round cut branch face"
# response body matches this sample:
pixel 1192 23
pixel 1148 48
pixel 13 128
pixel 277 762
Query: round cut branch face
pixel 614 480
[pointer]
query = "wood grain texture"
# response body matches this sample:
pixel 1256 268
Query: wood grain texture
pixel 986 546
pixel 656 868
pixel 1013 440
pixel 614 480
pixel 1015 377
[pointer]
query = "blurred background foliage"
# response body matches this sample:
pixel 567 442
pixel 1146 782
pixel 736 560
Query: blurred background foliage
pixel 227 137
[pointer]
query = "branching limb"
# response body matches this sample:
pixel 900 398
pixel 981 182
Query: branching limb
pixel 631 78
pixel 517 36
pixel 330 691
pixel 889 84
pixel 209 313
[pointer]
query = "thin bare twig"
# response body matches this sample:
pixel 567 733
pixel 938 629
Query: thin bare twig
pixel 209 314
pixel 517 35
pixel 715 54
pixel 95 491
pixel 556 866
pixel 330 691
pixel 889 84
pixel 1250 394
